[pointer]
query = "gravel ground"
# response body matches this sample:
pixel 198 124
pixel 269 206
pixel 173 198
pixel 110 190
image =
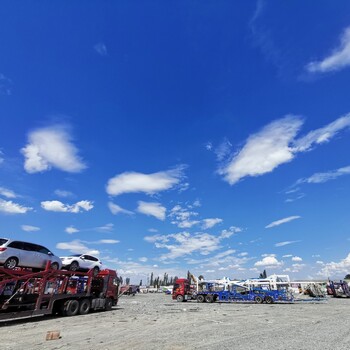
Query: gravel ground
pixel 154 321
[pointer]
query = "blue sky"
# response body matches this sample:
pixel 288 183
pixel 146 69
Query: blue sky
pixel 166 136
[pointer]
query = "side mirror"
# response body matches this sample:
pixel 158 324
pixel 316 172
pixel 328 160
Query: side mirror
pixel 49 253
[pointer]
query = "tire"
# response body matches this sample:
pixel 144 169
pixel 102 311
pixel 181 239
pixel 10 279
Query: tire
pixel 109 304
pixel 258 300
pixel 11 263
pixel 200 298
pixel 180 298
pixel 71 307
pixel 269 300
pixel 74 266
pixel 96 270
pixel 54 266
pixel 209 298
pixel 84 306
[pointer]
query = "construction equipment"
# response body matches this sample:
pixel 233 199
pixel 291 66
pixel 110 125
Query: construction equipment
pixel 338 289
pixel 24 293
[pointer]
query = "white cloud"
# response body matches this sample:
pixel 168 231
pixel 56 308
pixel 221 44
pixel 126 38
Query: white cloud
pixel 336 269
pixel 116 209
pixel 5 85
pixel 10 207
pixel 105 228
pixel 182 217
pixel 133 182
pixel 269 261
pixel 7 193
pixel 107 241
pixel 51 147
pixel 63 193
pixel 318 178
pixel 153 230
pixel 1 157
pixel 282 221
pixel 287 256
pixel 337 60
pixel 277 144
pixel 143 259
pixel 209 146
pixel 29 228
pixel 297 258
pixel 77 247
pixel 223 150
pixel 209 223
pixel 282 244
pixel 152 209
pixel 101 49
pixel 230 232
pixel 58 206
pixel 71 229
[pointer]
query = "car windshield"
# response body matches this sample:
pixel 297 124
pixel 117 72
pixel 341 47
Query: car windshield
pixel 75 255
pixel 3 241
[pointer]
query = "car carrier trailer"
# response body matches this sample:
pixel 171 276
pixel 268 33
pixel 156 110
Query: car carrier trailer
pixel 24 293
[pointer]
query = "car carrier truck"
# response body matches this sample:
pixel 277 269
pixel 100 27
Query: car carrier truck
pixel 24 293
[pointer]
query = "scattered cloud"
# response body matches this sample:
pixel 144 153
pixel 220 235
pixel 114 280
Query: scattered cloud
pixel 209 223
pixel 337 60
pixel 209 146
pixel 230 232
pixel 287 256
pixel 269 261
pixel 71 229
pixel 223 150
pixel 152 209
pixel 153 230
pixel 277 144
pixel 143 259
pixel 77 247
pixel 5 85
pixel 101 49
pixel 116 209
pixel 9 207
pixel 283 221
pixel 282 244
pixel 51 147
pixel 299 196
pixel 318 178
pixel 297 258
pixel 183 217
pixel 29 228
pixel 336 269
pixel 58 206
pixel 63 193
pixel 2 159
pixel 107 241
pixel 105 228
pixel 133 182
pixel 7 193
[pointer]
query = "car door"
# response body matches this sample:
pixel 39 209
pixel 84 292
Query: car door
pixel 89 263
pixel 42 255
pixel 29 257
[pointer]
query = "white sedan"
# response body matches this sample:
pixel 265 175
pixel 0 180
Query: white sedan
pixel 81 262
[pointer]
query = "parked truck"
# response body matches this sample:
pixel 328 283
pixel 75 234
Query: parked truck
pixel 211 292
pixel 24 293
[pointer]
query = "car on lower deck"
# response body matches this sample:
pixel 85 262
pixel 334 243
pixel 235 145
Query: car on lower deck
pixel 14 253
pixel 81 262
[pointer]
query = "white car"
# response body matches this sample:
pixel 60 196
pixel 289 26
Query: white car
pixel 81 262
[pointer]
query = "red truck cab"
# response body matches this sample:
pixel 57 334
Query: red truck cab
pixel 182 290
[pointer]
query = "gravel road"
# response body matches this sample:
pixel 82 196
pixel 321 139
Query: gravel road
pixel 154 321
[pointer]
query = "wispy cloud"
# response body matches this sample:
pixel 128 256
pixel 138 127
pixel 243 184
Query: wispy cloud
pixel 282 244
pixel 29 228
pixel 318 178
pixel 116 209
pixel 209 223
pixel 9 207
pixel 51 147
pixel 105 228
pixel 277 144
pixel 71 229
pixel 337 60
pixel 183 217
pixel 58 206
pixel 282 221
pixel 77 247
pixel 63 193
pixel 297 258
pixel 2 159
pixel 5 85
pixel 152 209
pixel 133 182
pixel 101 49
pixel 7 193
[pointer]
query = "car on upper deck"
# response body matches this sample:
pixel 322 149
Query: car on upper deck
pixel 81 262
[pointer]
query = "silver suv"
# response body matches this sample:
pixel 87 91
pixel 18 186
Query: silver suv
pixel 17 253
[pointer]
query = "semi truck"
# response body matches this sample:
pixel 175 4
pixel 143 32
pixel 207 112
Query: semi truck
pixel 24 293
pixel 211 292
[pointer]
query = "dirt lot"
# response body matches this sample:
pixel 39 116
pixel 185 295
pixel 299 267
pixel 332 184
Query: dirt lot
pixel 154 321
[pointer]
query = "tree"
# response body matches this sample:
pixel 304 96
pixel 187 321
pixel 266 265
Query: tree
pixel 127 281
pixel 263 275
pixel 347 277
pixel 140 283
pixel 151 281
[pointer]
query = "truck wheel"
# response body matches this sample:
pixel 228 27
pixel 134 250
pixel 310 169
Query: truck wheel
pixel 209 298
pixel 74 266
pixel 84 306
pixel 11 263
pixel 200 298
pixel 71 307
pixel 109 304
pixel 258 300
pixel 268 300
pixel 54 266
pixel 180 298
